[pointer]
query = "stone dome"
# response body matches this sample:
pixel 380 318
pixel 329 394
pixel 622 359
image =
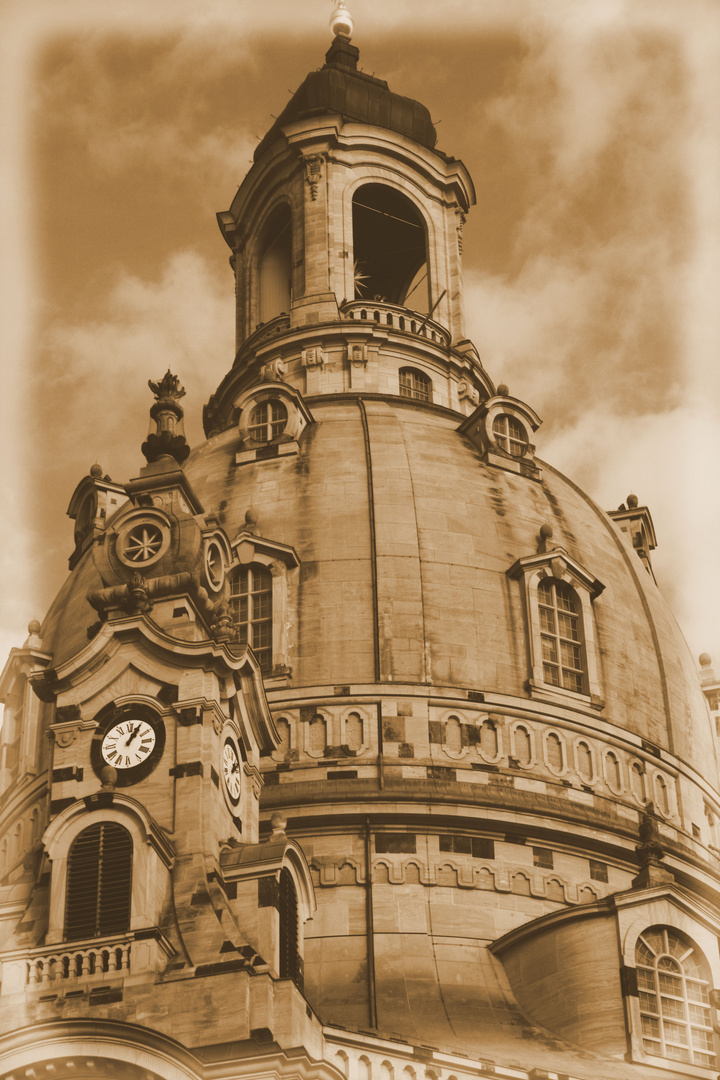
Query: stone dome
pixel 447 529
pixel 428 770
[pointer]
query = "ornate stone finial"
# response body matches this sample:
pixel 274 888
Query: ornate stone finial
pixel 341 22
pixel 222 628
pixel 251 521
pixel 649 849
pixel 632 501
pixel 169 438
pixel 279 823
pixel 502 390
pixel 649 853
pixel 545 538
pixel 34 641
pixel 108 776
pixel 704 658
pixel 96 471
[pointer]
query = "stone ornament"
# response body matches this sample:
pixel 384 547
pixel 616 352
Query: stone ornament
pixel 313 357
pixel 313 170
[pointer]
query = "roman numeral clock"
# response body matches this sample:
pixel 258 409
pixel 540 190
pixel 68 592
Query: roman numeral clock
pixel 129 737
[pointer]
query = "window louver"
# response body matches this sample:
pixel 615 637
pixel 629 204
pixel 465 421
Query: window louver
pixel 99 882
pixel 290 967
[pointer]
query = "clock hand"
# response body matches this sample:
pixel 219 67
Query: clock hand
pixel 135 731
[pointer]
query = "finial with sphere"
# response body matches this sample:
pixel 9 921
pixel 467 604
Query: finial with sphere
pixel 341 22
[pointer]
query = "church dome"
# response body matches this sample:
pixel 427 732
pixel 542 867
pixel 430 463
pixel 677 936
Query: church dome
pixel 394 720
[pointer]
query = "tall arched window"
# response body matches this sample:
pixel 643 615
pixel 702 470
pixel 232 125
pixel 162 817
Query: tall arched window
pixel 560 628
pixel 275 266
pixel 390 248
pixel 99 882
pixel 290 965
pixel 674 998
pixel 415 384
pixel 251 611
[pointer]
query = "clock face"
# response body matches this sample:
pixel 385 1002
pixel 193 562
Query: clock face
pixel 129 737
pixel 128 743
pixel 231 771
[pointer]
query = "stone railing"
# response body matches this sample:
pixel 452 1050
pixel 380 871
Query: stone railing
pixel 396 318
pixel 80 960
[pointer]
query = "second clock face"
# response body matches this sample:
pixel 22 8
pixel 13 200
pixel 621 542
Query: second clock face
pixel 231 771
pixel 128 743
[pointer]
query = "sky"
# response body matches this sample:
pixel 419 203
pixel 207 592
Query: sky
pixel 592 258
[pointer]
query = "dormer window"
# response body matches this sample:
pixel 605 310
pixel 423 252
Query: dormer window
pixel 268 421
pixel 415 384
pixel 558 595
pixel 510 435
pixel 561 634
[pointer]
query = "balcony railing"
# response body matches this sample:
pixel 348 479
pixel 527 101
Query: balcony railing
pixel 78 961
pixel 396 318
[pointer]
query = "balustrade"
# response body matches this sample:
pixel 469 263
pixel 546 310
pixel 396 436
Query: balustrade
pixel 77 962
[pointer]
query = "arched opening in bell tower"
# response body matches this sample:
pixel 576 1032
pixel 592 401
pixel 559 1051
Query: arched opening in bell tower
pixel 275 265
pixel 390 248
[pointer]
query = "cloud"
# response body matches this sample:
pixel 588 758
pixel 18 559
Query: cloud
pixel 183 320
pixel 90 391
pixel 663 459
pixel 594 121
pixel 132 103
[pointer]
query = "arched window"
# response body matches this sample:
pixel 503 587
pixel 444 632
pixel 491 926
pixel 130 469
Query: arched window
pixel 613 775
pixel 674 998
pixel 267 421
pixel 283 747
pixel 390 248
pixel 275 266
pixel 317 736
pixel 510 435
pixel 415 384
pixel 560 626
pixel 522 745
pixel 554 752
pixel 637 781
pixel 251 611
pixel 354 732
pixel 584 762
pixel 99 882
pixel 453 735
pixel 489 742
pixel 290 965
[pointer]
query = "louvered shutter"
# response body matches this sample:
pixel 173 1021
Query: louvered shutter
pixel 99 882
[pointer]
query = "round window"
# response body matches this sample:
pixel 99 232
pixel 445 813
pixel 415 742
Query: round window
pixel 143 542
pixel 214 565
pixel 267 421
pixel 510 435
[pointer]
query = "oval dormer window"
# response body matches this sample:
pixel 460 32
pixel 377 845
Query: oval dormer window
pixel 268 421
pixel 510 435
pixel 275 266
pixel 390 248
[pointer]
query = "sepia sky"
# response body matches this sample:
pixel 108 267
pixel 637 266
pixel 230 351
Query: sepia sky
pixel 592 258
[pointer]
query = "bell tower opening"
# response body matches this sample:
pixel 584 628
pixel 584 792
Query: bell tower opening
pixel 390 248
pixel 275 265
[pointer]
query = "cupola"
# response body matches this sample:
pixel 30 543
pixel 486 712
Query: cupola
pixel 349 214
